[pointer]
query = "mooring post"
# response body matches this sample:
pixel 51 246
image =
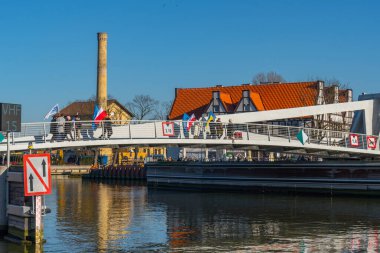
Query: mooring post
pixel 39 231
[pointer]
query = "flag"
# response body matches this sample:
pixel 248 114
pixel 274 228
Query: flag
pixel 302 137
pixel 52 111
pixel 99 115
pixel 211 117
pixel 190 122
pixel 185 118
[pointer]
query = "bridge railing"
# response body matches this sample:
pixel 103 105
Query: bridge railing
pixel 149 129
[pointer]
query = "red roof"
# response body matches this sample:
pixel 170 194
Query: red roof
pixel 273 97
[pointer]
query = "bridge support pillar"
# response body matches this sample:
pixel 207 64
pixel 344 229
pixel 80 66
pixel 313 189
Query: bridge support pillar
pixel 206 154
pixel 96 156
pixel 249 155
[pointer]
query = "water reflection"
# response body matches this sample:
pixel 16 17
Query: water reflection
pixel 122 217
pixel 264 223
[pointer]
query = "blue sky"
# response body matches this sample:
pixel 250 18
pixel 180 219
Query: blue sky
pixel 48 49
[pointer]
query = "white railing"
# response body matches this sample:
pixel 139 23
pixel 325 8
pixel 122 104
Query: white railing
pixel 147 129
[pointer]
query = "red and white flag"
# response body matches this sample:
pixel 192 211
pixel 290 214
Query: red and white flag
pixel 190 122
pixel 99 114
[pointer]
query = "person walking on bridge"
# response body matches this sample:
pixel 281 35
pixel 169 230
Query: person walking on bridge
pixel 107 128
pixel 77 127
pixel 68 128
pixel 60 127
pixel 54 128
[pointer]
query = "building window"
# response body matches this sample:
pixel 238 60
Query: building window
pixel 246 108
pixel 216 108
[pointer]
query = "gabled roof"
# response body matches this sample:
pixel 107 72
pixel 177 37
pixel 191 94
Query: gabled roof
pixel 273 97
pixel 86 108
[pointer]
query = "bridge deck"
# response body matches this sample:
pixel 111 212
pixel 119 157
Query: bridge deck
pixel 150 133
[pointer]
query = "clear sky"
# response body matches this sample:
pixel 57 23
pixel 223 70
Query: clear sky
pixel 48 49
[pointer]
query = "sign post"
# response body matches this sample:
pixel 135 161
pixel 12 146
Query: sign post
pixel 37 182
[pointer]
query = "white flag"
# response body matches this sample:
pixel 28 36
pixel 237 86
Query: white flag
pixel 52 111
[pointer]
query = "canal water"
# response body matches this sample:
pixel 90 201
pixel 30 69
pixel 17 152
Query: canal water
pixel 111 216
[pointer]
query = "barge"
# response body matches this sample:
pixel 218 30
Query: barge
pixel 335 177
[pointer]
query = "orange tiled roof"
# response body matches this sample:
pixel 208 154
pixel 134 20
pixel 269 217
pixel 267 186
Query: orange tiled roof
pixel 226 100
pixel 273 97
pixel 256 100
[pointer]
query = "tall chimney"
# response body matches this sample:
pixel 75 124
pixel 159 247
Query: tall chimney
pixel 101 93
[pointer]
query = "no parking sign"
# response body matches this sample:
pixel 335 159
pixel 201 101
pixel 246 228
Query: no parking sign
pixel 371 142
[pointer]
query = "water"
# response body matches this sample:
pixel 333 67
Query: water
pixel 120 217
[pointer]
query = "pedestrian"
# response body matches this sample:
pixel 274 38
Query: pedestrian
pixel 107 128
pixel 77 127
pixel 219 128
pixel 196 129
pixel 53 128
pixel 230 129
pixel 60 127
pixel 68 128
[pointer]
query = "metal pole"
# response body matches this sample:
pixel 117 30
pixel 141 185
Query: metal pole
pixel 155 130
pixel 6 174
pixel 44 133
pixel 247 132
pixel 129 127
pixel 363 142
pixel 289 133
pixel 345 139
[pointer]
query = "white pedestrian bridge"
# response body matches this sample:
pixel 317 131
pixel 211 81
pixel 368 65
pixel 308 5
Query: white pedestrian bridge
pixel 250 136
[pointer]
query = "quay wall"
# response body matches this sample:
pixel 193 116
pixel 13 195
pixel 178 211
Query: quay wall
pixel 128 172
pixel 332 179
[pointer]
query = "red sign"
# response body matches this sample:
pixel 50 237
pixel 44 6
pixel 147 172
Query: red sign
pixel 354 140
pixel 371 142
pixel 37 174
pixel 168 128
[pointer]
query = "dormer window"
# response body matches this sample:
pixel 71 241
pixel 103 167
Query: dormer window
pixel 246 103
pixel 216 104
pixel 216 101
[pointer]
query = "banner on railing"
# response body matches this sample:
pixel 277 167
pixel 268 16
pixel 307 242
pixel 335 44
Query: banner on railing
pixel 168 128
pixel 354 140
pixel 371 142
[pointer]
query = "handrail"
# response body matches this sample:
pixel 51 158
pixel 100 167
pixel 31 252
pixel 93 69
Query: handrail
pixel 41 132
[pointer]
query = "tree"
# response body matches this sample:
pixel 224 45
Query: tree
pixel 162 110
pixel 265 78
pixel 141 106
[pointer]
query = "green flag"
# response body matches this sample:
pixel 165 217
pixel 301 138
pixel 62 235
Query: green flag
pixel 302 137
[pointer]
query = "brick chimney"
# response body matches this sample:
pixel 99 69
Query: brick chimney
pixel 101 93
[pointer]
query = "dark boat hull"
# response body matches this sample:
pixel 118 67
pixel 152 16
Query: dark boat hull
pixel 330 178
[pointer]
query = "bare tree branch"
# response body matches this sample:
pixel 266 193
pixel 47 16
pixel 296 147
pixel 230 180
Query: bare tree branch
pixel 265 78
pixel 141 106
pixel 162 110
